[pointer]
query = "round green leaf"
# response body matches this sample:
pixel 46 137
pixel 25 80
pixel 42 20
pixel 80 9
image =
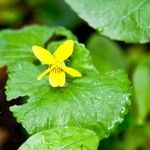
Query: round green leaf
pixel 62 139
pixel 126 20
pixel 94 101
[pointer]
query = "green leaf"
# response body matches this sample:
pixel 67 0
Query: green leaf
pixel 126 20
pixel 94 101
pixel 62 139
pixel 141 83
pixel 16 45
pixel 104 52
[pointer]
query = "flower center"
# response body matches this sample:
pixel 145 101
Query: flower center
pixel 57 69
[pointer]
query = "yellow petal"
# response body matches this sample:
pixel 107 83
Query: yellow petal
pixel 57 79
pixel 44 73
pixel 64 50
pixel 72 72
pixel 43 55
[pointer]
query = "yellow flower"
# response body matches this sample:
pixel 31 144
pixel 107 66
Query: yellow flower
pixel 57 68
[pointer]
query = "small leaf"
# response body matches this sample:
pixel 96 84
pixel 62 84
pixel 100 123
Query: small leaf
pixel 94 101
pixel 141 83
pixel 62 139
pixel 106 54
pixel 16 45
pixel 126 20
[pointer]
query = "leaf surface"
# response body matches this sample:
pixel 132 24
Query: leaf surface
pixel 106 54
pixel 62 139
pixel 126 20
pixel 94 101
pixel 16 45
pixel 141 83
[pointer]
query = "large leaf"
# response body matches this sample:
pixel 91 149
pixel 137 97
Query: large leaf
pixel 126 20
pixel 141 83
pixel 15 45
pixel 62 139
pixel 97 102
pixel 104 52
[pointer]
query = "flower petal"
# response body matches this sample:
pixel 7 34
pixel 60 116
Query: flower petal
pixel 64 51
pixel 44 73
pixel 57 79
pixel 71 71
pixel 43 55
